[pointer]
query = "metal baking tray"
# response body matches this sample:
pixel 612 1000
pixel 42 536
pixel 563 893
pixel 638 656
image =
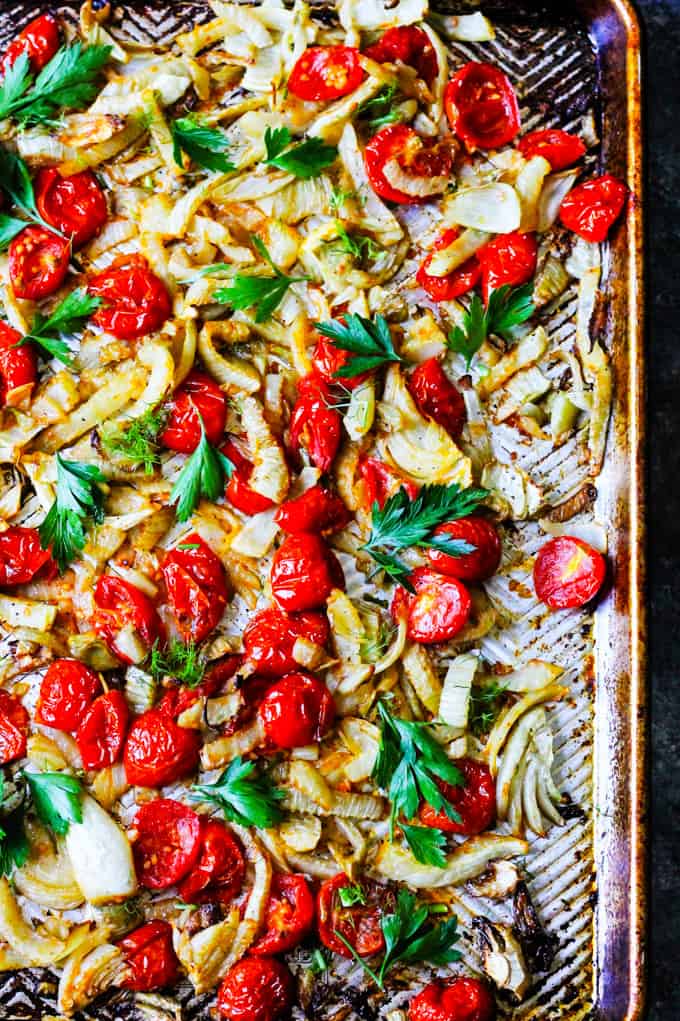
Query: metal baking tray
pixel 569 58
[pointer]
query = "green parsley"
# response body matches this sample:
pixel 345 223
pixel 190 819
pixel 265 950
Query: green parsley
pixel 181 906
pixel 485 705
pixel 359 246
pixel 202 477
pixel 182 661
pixel 304 160
pixel 369 341
pixel 382 108
pixel 204 145
pixel 68 318
pixel 13 842
pixel 243 796
pixel 507 307
pixel 78 496
pixel 137 441
pixel 374 646
pixel 350 895
pixel 318 963
pixel 17 183
pixel 69 80
pixel 56 799
pixel 338 198
pixel 263 293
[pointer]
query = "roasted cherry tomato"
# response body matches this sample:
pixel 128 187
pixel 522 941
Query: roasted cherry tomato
pixel 13 728
pixel 122 607
pixel 150 957
pixel 197 588
pixel 167 842
pixel 256 989
pixel 591 208
pixel 198 393
pixel 439 609
pixel 559 148
pixel 74 205
pixel 508 259
pixel 158 751
pixel 102 732
pixel 326 72
pixel 219 872
pixel 21 556
pixel 315 510
pixel 417 156
pixel 568 572
pixel 304 572
pixel 179 698
pixel 453 999
pixel 475 801
pixel 40 40
pixel 297 710
pixel 66 693
pixel 437 397
pixel 481 106
pixel 359 924
pixel 381 481
pixel 458 281
pixel 406 44
pixel 18 367
pixel 238 492
pixel 38 263
pixel 270 636
pixel 315 425
pixel 289 915
pixel 478 565
pixel 135 300
pixel 328 359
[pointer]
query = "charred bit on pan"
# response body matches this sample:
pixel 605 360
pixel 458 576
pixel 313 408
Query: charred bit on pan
pixel 538 945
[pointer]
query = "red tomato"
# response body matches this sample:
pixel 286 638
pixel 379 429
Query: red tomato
pixel 437 397
pixel 559 148
pixel 406 44
pixel 198 393
pixel 13 728
pixel 359 924
pixel 315 510
pixel 381 481
pixel 296 711
pixel 178 699
pixel 66 692
pixel 421 157
pixel 313 424
pixel 304 572
pixel 74 205
pixel 197 588
pixel 38 263
pixel 478 565
pixel 439 609
pixel 568 572
pixel 150 957
pixel 591 208
pixel 508 259
pixel 453 999
pixel 458 281
pixel 326 72
pixel 21 556
pixel 135 300
pixel 256 989
pixel 289 915
pixel 220 869
pixel 270 636
pixel 327 359
pixel 167 842
pixel 238 492
pixel 481 106
pixel 475 802
pixel 40 39
pixel 120 605
pixel 18 366
pixel 101 734
pixel 158 751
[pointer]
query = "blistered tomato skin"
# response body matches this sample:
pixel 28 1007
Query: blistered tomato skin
pixel 326 72
pixel 454 999
pixel 238 492
pixel 167 842
pixel 135 302
pixel 219 870
pixel 289 915
pixel 13 728
pixel 459 281
pixel 359 924
pixel 568 572
pixel 474 801
pixel 315 510
pixel 118 604
pixel 102 731
pixel 296 711
pixel 437 397
pixel 21 556
pixel 199 394
pixel 559 148
pixel 439 609
pixel 270 636
pixel 66 693
pixel 150 957
pixel 18 366
pixel 406 44
pixel 304 573
pixel 417 156
pixel 256 989
pixel 481 106
pixel 197 588
pixel 478 565
pixel 40 40
pixel 314 425
pixel 38 263
pixel 328 359
pixel 591 209
pixel 381 481
pixel 508 260
pixel 73 205
pixel 158 751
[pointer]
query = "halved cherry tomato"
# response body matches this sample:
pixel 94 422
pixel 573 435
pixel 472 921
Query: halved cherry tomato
pixel 439 609
pixel 219 872
pixel 101 734
pixel 478 565
pixel 256 989
pixel 38 263
pixel 21 556
pixel 158 751
pixel 326 72
pixel 120 605
pixel 297 710
pixel 453 999
pixel 270 637
pixel 381 481
pixel 74 205
pixel 167 842
pixel 481 106
pixel 18 367
pixel 150 957
pixel 437 397
pixel 420 157
pixel 458 281
pixel 304 572
pixel 40 40
pixel 559 148
pixel 406 44
pixel 358 924
pixel 591 208
pixel 289 915
pixel 13 728
pixel 313 424
pixel 327 359
pixel 66 693
pixel 197 588
pixel 198 393
pixel 135 300
pixel 568 572
pixel 508 259
pixel 238 492
pixel 315 510
pixel 475 801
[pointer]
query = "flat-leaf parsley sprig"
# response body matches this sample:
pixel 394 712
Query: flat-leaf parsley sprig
pixel 68 318
pixel 243 795
pixel 305 159
pixel 78 496
pixel 507 307
pixel 17 184
pixel 206 146
pixel 69 80
pixel 368 340
pixel 57 799
pixel 202 477
pixel 262 293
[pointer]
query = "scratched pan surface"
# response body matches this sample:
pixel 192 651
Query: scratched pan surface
pixel 569 60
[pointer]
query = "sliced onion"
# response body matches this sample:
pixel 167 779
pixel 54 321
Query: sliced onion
pixel 412 184
pixel 492 207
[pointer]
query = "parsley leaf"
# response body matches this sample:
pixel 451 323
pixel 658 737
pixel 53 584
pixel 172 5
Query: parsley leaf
pixel 350 895
pixel 305 160
pixel 263 293
pixel 318 963
pixel 137 442
pixel 78 496
pixel 69 316
pixel 243 796
pixel 369 341
pixel 204 145
pixel 56 799
pixel 182 661
pixel 381 109
pixel 427 844
pixel 507 307
pixel 68 80
pixel 10 226
pixel 13 842
pixel 16 182
pixel 202 477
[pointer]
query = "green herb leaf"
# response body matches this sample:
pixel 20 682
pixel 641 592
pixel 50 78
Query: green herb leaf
pixel 136 442
pixel 13 842
pixel 318 964
pixel 10 226
pixel 69 316
pixel 204 145
pixel 183 661
pixel 202 477
pixel 263 293
pixel 56 799
pixel 359 246
pixel 369 341
pixel 69 80
pixel 426 843
pixel 16 182
pixel 305 160
pixel 350 895
pixel 338 198
pixel 78 497
pixel 485 705
pixel 507 307
pixel 243 796
pixel 381 109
